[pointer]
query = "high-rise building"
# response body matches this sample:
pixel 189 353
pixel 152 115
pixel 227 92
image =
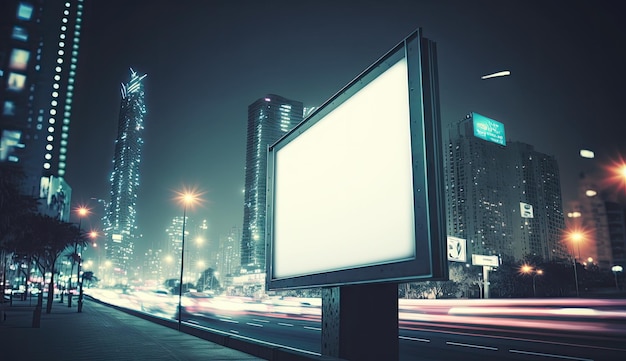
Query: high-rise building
pixel 601 223
pixel 228 253
pixel 503 198
pixel 39 47
pixel 269 118
pixel 197 251
pixel 120 223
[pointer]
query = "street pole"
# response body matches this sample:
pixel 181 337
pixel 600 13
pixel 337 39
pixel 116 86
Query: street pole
pixel 576 276
pixel 80 284
pixel 182 262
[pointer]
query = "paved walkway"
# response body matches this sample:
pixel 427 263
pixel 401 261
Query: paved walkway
pixel 98 333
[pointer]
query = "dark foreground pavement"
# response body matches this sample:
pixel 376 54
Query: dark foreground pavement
pixel 101 332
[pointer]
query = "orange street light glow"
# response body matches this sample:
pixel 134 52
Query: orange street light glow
pixel 82 211
pixel 189 197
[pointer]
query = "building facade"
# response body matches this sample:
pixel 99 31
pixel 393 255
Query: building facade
pixel 269 118
pixel 602 225
pixel 39 47
pixel 503 198
pixel 120 220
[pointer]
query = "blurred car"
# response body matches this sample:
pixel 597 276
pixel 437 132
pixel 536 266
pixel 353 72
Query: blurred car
pixel 160 302
pixel 197 303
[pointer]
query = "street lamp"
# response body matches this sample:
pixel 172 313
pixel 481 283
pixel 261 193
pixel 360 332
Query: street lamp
pixel 616 269
pixel 576 236
pixel 187 198
pixel 526 269
pixel 82 212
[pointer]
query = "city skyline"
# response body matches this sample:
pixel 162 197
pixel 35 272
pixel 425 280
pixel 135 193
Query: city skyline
pixel 204 77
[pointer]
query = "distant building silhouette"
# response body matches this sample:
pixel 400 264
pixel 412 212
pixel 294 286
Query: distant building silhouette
pixel 504 198
pixel 269 118
pixel 602 222
pixel 120 219
pixel 39 48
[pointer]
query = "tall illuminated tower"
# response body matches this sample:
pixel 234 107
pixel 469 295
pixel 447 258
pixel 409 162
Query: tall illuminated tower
pixel 503 197
pixel 268 119
pixel 121 228
pixel 39 47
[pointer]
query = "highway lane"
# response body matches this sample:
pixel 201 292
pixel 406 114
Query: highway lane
pixel 445 330
pixel 433 341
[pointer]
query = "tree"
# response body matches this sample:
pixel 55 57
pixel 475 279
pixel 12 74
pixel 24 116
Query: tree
pixel 89 278
pixel 44 238
pixel 208 280
pixel 13 206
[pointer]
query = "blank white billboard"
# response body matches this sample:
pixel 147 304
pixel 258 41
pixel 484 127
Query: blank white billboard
pixel 349 197
pixel 349 176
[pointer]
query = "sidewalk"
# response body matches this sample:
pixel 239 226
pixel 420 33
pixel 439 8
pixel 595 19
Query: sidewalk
pixel 99 332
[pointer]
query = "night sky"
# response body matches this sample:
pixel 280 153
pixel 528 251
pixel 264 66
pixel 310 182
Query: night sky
pixel 208 60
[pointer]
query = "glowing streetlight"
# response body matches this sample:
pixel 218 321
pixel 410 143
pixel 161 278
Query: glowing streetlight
pixel 616 269
pixel 81 211
pixel 527 269
pixel 187 198
pixel 576 236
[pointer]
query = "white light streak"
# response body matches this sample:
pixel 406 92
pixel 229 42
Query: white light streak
pixel 496 75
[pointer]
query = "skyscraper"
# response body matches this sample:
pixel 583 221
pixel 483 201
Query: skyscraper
pixel 39 46
pixel 503 198
pixel 120 222
pixel 269 118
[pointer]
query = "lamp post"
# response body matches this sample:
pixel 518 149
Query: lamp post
pixel 616 269
pixel 187 198
pixel 526 269
pixel 576 236
pixel 82 211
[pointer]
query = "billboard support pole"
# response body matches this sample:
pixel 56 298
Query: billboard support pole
pixel 360 322
pixel 486 270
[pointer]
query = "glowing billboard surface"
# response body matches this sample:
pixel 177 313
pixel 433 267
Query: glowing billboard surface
pixel 349 197
pixel 488 129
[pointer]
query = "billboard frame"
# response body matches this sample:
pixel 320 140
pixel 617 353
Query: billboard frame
pixel 429 261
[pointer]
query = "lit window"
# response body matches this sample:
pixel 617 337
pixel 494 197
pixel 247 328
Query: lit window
pixel 59 61
pixel 24 11
pixel 57 77
pixel 19 59
pixel 60 52
pixel 61 43
pixel 9 108
pixel 58 69
pixel 55 86
pixel 20 33
pixel 16 81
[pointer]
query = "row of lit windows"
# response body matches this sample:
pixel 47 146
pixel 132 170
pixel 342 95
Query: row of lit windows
pixel 69 94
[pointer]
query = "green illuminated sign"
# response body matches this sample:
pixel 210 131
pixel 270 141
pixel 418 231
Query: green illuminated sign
pixel 488 129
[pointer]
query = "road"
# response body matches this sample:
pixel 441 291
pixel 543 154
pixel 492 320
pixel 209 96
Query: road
pixel 497 330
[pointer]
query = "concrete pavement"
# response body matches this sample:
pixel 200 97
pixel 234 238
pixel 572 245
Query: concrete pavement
pixel 102 332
